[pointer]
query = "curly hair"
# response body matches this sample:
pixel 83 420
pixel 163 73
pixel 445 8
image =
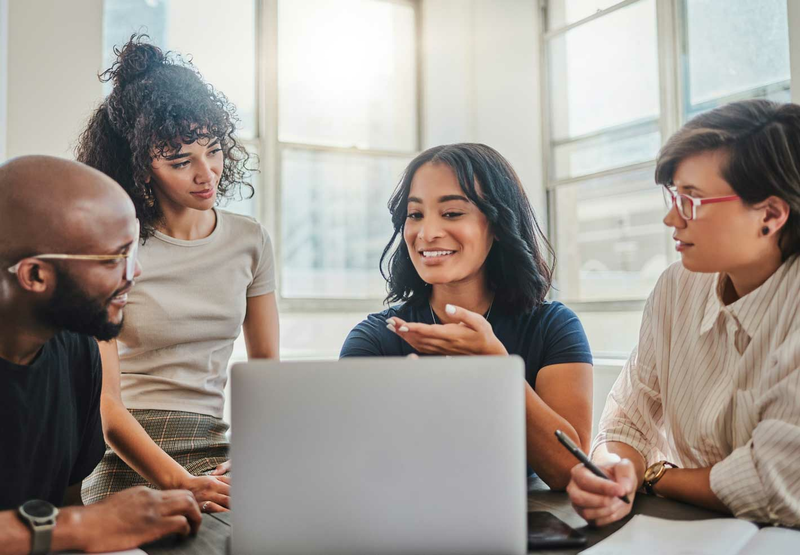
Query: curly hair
pixel 516 269
pixel 762 141
pixel 158 102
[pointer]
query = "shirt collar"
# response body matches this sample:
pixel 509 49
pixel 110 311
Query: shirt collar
pixel 713 303
pixel 749 310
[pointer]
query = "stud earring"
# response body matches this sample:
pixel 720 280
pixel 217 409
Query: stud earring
pixel 765 230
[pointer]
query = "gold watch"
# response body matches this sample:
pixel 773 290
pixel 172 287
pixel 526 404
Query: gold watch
pixel 654 473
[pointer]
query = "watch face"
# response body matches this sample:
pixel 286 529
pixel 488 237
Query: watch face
pixel 652 472
pixel 38 509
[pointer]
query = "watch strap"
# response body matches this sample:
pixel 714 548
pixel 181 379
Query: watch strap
pixel 42 539
pixel 41 527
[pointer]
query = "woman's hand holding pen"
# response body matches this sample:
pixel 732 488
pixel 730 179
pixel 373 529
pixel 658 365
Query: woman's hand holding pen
pixel 597 500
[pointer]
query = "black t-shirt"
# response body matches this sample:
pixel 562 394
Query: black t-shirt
pixel 51 435
pixel 549 334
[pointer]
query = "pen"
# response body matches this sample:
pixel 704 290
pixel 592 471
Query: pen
pixel 575 450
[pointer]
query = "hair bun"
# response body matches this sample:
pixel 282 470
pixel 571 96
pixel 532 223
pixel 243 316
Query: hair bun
pixel 134 59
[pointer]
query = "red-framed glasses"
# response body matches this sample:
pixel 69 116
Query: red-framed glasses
pixel 687 205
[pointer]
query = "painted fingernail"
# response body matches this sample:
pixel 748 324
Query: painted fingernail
pixel 390 327
pixel 390 321
pixel 450 309
pixel 403 328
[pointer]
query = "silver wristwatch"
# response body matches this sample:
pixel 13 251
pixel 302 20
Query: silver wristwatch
pixel 40 516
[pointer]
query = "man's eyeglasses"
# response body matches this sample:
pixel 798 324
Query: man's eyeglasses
pixel 129 257
pixel 687 205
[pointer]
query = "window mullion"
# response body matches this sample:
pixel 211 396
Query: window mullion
pixel 670 75
pixel 269 214
pixel 620 170
pixel 669 66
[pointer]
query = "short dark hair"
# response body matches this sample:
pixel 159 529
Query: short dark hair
pixel 158 101
pixel 762 142
pixel 516 269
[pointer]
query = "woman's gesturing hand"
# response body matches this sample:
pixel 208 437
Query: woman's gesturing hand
pixel 473 335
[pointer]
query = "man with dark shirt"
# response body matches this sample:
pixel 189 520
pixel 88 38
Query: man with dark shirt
pixel 68 238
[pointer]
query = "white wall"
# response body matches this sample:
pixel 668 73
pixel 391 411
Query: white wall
pixel 3 76
pixel 793 8
pixel 54 55
pixel 481 81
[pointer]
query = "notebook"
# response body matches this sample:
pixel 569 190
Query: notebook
pixel 720 536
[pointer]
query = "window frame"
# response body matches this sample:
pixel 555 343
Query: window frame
pixel 672 73
pixel 270 149
pixel 756 92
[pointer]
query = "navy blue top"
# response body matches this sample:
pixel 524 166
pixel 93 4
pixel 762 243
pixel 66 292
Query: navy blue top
pixel 549 334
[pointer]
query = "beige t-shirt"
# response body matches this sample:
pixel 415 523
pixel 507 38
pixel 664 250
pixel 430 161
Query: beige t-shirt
pixel 185 312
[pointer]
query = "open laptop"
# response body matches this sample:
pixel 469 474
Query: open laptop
pixel 379 456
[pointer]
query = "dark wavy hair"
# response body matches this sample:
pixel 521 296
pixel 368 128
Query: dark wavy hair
pixel 762 141
pixel 516 269
pixel 159 101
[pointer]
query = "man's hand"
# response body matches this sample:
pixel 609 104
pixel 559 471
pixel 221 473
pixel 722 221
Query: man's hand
pixel 134 517
pixel 596 499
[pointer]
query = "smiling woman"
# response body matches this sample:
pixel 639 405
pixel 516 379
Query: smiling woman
pixel 472 279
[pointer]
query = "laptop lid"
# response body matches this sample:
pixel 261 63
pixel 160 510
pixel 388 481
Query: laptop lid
pixel 386 455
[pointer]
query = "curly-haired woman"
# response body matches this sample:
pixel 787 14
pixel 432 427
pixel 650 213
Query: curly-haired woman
pixel 168 138
pixel 472 279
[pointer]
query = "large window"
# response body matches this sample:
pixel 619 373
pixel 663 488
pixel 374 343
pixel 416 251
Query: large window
pixel 734 49
pixel 347 126
pixel 621 76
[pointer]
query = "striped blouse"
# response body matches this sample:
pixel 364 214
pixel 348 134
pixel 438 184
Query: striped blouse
pixel 715 385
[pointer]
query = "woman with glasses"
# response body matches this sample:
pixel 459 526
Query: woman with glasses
pixel 168 138
pixel 707 409
pixel 467 262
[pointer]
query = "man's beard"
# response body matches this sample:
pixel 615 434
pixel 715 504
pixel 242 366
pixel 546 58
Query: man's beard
pixel 73 310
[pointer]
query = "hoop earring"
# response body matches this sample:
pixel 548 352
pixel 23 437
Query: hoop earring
pixel 149 197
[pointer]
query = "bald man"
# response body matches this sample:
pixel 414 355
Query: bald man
pixel 68 241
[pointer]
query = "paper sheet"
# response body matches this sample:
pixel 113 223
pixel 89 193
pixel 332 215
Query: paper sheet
pixel 128 552
pixel 774 541
pixel 656 536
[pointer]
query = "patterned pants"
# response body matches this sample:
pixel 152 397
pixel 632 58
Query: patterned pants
pixel 197 442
